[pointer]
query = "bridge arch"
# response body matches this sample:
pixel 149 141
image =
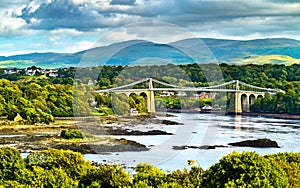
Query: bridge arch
pixel 244 102
pixel 143 94
pixel 260 96
pixel 252 98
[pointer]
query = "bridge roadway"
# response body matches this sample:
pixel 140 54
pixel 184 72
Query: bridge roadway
pixel 240 99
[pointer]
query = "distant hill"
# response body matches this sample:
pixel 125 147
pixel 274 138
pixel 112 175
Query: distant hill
pixel 270 59
pixel 138 52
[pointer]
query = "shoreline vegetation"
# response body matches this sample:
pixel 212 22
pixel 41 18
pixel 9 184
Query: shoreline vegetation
pixel 61 168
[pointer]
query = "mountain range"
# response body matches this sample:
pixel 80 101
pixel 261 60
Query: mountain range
pixel 138 52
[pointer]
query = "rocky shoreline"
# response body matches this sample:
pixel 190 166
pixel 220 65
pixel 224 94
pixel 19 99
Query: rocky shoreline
pixel 258 143
pixel 29 138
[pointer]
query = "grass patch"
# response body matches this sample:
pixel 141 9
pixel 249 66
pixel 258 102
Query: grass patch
pixel 71 134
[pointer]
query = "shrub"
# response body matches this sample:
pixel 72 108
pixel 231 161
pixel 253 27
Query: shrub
pixel 147 174
pixel 11 163
pixel 290 163
pixel 186 178
pixel 39 177
pixel 71 162
pixel 106 176
pixel 71 133
pixel 106 111
pixel 247 169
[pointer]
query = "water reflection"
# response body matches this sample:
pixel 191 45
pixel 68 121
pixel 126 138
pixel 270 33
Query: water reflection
pixel 237 122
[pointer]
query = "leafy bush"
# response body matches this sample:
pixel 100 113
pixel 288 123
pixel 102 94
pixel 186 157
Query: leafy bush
pixel 244 170
pixel 290 163
pixel 37 176
pixel 106 176
pixel 71 162
pixel 71 133
pixel 186 178
pixel 106 111
pixel 11 163
pixel 147 174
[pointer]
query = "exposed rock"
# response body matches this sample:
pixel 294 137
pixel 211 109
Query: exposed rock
pixel 198 147
pixel 260 143
pixel 168 122
pixel 179 147
pixel 119 145
pixel 212 147
pixel 136 132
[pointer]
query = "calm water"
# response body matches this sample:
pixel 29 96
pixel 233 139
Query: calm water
pixel 205 129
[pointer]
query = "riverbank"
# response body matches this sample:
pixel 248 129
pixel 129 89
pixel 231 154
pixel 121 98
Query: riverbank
pixel 270 115
pixel 29 138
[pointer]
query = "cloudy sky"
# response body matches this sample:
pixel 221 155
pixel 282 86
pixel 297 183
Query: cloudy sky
pixel 28 26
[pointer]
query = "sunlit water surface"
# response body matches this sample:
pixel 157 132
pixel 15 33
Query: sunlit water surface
pixel 205 129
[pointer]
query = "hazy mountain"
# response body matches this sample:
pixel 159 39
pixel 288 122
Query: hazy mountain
pixel 138 52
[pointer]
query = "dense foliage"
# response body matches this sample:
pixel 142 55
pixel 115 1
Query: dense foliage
pixel 38 101
pixel 60 168
pixel 241 170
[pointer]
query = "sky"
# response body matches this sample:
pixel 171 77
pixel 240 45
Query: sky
pixel 68 26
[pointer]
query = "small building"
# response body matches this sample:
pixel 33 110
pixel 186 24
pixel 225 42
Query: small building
pixel 18 118
pixel 204 95
pixel 166 94
pixel 133 112
pixel 206 108
pixel 181 94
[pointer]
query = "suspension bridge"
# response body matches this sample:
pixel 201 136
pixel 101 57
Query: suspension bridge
pixel 242 94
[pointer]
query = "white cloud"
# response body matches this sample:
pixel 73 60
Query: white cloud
pixel 66 31
pixel 10 25
pixel 79 46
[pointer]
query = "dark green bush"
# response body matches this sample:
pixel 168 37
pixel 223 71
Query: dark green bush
pixel 71 133
pixel 247 169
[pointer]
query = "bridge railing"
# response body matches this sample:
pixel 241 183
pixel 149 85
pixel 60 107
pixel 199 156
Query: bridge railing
pixel 215 88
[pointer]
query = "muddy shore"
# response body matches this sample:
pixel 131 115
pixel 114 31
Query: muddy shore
pixel 29 138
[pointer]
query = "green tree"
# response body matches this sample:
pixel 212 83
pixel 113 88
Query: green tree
pixel 147 174
pixel 71 162
pixel 244 170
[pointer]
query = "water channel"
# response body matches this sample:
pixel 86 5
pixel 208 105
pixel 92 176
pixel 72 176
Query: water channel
pixel 205 129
